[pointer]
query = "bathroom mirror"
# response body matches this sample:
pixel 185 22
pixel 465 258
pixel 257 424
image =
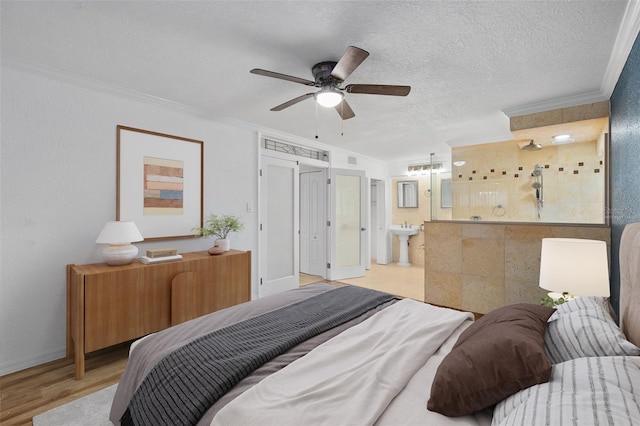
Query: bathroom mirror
pixel 408 194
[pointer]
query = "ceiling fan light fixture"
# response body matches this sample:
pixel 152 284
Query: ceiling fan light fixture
pixel 328 98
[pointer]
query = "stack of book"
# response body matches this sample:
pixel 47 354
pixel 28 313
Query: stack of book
pixel 160 255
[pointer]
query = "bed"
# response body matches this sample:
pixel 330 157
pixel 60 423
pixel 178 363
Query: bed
pixel 342 355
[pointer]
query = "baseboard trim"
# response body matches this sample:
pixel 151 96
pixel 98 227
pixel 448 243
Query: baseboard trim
pixel 23 363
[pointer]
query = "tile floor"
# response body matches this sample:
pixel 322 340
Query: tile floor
pixel 404 281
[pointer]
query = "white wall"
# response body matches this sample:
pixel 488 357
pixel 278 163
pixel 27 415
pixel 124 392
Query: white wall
pixel 58 189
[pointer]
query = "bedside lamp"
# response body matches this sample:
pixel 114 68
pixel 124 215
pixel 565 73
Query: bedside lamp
pixel 119 236
pixel 575 266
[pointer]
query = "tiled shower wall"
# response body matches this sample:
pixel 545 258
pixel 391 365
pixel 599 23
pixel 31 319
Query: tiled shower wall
pixel 479 267
pixel 495 183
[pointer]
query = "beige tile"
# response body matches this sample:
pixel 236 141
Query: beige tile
pixel 522 292
pixel 446 229
pixel 528 232
pixel 483 256
pixel 539 119
pixel 443 288
pixel 481 294
pixel 443 253
pixel 479 230
pixel 522 260
pixel 586 112
pixel 589 232
pixel 416 249
pixel 404 281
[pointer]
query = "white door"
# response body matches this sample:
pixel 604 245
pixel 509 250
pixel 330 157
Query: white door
pixel 279 218
pixel 348 210
pixel 312 223
pixel 379 232
pixel 304 223
pixel 373 224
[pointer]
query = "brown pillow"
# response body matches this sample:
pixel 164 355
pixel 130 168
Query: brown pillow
pixel 498 355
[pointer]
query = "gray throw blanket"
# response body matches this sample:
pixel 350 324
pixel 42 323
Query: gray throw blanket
pixel 181 387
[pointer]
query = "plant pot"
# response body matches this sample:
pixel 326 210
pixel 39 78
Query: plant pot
pixel 215 250
pixel 223 243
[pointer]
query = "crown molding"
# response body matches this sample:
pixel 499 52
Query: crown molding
pixel 627 34
pixel 557 103
pixel 89 83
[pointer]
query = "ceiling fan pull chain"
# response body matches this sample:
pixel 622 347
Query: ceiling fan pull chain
pixel 342 119
pixel 316 120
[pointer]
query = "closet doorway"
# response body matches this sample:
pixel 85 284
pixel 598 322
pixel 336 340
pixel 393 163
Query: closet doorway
pixel 313 221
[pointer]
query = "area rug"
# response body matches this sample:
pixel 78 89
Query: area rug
pixel 92 409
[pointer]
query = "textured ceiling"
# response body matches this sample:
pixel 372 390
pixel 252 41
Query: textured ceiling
pixel 466 61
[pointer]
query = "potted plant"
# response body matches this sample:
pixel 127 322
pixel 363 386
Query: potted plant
pixel 220 226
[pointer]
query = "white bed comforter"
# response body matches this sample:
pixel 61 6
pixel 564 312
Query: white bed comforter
pixel 353 378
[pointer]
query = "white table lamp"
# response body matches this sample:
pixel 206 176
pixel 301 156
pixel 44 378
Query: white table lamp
pixel 575 266
pixel 119 236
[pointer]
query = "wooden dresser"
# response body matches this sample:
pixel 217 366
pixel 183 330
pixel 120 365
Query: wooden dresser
pixel 107 305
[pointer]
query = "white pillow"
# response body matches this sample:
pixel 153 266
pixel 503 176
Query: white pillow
pixel 584 327
pixel 584 391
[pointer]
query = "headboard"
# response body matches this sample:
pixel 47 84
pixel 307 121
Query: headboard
pixel 630 282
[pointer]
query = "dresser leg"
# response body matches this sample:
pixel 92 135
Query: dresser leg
pixel 79 361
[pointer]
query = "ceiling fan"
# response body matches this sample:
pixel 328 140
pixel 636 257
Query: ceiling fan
pixel 328 76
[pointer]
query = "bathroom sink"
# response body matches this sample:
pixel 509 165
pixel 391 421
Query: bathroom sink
pixel 399 230
pixel 403 233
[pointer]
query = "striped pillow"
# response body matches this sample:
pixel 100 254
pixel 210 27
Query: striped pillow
pixel 584 391
pixel 583 327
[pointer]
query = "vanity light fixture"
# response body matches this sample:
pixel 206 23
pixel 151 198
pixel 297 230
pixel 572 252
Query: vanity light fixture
pixel 459 163
pixel 424 169
pixel 328 97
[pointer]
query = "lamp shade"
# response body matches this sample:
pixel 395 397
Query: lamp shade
pixel 119 236
pixel 119 233
pixel 576 266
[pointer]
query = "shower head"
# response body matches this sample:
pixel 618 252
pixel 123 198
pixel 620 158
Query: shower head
pixel 532 146
pixel 536 185
pixel 537 170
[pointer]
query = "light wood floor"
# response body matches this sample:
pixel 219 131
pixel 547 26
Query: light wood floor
pixel 38 389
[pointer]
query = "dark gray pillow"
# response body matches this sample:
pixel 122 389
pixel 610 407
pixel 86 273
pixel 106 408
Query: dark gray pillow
pixel 498 355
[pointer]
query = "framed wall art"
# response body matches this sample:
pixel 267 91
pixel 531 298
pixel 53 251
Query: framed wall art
pixel 159 183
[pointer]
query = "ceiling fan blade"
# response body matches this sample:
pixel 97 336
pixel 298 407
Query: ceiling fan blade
pixel 282 76
pixel 345 110
pixel 378 89
pixel 291 102
pixel 350 60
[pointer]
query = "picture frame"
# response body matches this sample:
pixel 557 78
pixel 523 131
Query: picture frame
pixel 159 183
